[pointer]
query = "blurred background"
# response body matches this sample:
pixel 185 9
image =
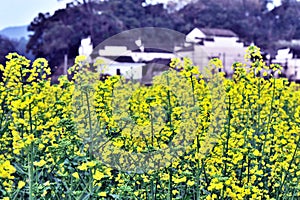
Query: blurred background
pixel 59 30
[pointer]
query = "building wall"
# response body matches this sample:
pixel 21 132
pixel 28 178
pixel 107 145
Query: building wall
pixel 194 34
pixel 228 55
pixel 293 69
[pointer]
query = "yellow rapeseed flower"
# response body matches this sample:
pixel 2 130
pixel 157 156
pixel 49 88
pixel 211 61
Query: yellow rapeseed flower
pixel 21 184
pixel 75 175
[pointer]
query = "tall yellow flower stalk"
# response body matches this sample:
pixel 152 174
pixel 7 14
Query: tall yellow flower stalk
pixel 191 135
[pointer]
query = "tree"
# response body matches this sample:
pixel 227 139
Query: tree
pixel 6 46
pixel 230 14
pixel 60 34
pixel 281 23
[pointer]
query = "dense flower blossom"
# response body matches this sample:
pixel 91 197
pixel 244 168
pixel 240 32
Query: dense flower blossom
pixel 191 135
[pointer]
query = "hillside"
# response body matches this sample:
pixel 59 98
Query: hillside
pixel 15 32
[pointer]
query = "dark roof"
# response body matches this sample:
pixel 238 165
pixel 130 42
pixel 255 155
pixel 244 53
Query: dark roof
pixel 159 50
pixel 164 61
pixel 218 32
pixel 295 51
pixel 121 59
pixel 189 48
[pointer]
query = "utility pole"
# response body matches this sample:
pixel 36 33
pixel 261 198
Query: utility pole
pixel 65 64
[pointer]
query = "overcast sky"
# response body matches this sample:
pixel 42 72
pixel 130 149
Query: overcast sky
pixel 22 12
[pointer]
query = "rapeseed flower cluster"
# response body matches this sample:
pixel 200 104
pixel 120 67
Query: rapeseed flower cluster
pixel 191 135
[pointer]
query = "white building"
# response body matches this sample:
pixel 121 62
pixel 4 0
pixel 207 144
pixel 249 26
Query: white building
pixel 132 60
pixel 131 71
pixel 86 47
pixel 203 44
pixel 290 63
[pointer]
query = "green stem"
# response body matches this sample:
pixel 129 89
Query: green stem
pixel 170 185
pixel 198 181
pixel 249 163
pixel 30 172
pixel 90 126
pixel 244 145
pixel 90 142
pixel 152 190
pixel 30 160
pixel 152 127
pixel 198 169
pixel 226 145
pixel 258 109
pixel 269 120
pixel 227 138
pixel 289 167
pixel 193 90
pixel 169 101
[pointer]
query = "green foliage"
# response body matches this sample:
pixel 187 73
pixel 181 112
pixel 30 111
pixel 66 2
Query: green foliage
pixel 6 46
pixel 61 33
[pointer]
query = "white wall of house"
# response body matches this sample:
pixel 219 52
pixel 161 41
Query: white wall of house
pixel 285 58
pixel 148 56
pixel 128 70
pixel 293 69
pixel 283 55
pixel 228 55
pixel 201 56
pixel 114 51
pixel 226 42
pixel 132 70
pixel 195 35
pixel 228 49
pixel 86 47
pixel 136 56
